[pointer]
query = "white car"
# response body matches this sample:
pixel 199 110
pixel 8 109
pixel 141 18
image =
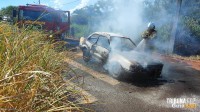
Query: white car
pixel 118 54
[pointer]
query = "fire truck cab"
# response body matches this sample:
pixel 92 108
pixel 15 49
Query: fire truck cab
pixel 45 18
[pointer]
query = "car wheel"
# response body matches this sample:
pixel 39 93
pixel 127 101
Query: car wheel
pixel 116 70
pixel 86 55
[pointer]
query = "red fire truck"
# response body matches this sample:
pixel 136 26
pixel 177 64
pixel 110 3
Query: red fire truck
pixel 42 17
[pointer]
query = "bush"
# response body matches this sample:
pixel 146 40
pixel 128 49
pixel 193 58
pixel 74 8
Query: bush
pixel 81 30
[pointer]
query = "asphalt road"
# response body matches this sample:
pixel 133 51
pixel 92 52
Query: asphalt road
pixel 132 95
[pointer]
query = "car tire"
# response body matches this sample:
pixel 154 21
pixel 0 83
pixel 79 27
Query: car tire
pixel 86 55
pixel 116 70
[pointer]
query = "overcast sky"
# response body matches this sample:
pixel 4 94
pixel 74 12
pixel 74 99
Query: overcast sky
pixel 59 4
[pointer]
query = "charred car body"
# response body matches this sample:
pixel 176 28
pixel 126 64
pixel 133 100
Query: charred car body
pixel 118 54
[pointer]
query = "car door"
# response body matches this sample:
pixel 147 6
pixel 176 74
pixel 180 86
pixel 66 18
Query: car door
pixel 102 47
pixel 91 42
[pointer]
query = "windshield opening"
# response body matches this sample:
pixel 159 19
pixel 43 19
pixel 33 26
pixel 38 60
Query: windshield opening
pixel 122 44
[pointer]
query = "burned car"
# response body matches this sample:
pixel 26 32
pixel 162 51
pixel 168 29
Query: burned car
pixel 118 55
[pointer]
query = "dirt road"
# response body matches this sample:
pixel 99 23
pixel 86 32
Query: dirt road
pixel 179 80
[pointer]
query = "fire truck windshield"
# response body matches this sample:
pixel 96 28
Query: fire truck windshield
pixel 35 15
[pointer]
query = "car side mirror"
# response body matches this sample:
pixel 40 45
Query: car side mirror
pixel 14 13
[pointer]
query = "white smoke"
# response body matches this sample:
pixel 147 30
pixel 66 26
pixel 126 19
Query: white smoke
pixel 121 60
pixel 125 19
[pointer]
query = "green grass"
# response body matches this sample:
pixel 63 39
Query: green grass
pixel 31 73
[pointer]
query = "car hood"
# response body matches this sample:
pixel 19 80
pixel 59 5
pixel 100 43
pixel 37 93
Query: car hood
pixel 135 57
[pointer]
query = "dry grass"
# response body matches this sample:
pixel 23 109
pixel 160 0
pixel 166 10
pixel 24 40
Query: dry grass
pixel 30 73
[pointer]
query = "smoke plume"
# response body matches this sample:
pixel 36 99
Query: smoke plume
pixel 126 18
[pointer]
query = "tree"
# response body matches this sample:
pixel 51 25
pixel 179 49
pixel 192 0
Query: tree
pixel 7 11
pixel 85 19
pixel 188 35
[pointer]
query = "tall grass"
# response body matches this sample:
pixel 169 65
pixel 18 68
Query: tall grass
pixel 30 73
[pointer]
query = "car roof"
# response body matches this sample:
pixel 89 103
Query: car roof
pixel 109 34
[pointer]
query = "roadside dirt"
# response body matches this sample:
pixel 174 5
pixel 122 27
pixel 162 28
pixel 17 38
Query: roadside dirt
pixel 192 63
pixel 195 64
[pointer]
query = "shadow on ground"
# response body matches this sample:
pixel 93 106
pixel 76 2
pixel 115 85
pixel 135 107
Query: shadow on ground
pixel 147 82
